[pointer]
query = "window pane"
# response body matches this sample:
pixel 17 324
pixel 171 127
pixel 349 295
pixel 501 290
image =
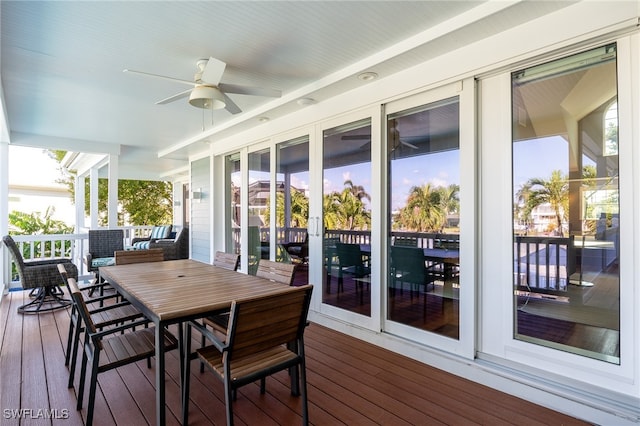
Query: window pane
pixel 292 205
pixel 259 190
pixel 347 216
pixel 566 205
pixel 424 185
pixel 233 180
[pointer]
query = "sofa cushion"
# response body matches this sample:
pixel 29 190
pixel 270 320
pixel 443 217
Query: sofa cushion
pixel 141 245
pixel 160 232
pixel 103 261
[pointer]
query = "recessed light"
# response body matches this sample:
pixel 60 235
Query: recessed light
pixel 306 101
pixel 367 76
pixel 263 119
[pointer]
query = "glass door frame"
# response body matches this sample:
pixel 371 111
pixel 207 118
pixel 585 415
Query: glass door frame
pixel 496 343
pixel 316 227
pixel 465 345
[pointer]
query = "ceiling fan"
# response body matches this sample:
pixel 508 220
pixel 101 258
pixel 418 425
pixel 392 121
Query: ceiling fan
pixel 207 91
pixel 394 138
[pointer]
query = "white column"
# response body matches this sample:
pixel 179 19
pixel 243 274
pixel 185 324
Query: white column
pixel 93 197
pixel 113 191
pixel 4 214
pixel 79 203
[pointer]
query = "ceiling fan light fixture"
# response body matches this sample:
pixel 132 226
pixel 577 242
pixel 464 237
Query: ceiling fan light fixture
pixel 207 97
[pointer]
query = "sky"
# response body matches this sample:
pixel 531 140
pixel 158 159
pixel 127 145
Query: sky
pixel 33 167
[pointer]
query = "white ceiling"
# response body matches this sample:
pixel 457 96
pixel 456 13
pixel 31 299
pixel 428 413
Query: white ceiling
pixel 62 62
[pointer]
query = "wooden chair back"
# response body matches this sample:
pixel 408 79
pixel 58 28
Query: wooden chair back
pixel 265 322
pixel 228 261
pixel 276 271
pixel 126 257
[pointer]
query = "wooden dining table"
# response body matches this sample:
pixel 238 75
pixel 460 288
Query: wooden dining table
pixel 176 291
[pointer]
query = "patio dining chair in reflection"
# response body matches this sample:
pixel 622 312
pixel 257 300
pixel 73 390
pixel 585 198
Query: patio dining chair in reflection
pixel 112 348
pixel 102 316
pixel 408 266
pixel 265 336
pixel 351 261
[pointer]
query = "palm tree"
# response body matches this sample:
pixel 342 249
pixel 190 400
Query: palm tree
pixel 346 210
pixel 424 210
pixel 554 191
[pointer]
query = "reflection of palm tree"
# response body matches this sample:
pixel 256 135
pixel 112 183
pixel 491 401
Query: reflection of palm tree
pixel 554 191
pixel 424 210
pixel 299 209
pixel 345 210
pixel 450 198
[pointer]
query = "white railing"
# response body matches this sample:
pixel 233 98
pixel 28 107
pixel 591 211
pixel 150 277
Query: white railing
pixel 48 246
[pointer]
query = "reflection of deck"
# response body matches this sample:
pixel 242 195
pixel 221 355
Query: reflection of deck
pixel 342 388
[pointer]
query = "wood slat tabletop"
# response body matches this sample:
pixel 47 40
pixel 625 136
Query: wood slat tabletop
pixel 181 288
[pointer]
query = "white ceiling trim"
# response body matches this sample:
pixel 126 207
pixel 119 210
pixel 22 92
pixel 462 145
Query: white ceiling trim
pixel 476 14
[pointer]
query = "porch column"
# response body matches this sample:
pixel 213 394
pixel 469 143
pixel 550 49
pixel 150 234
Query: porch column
pixel 79 203
pixel 112 203
pixel 93 197
pixel 4 213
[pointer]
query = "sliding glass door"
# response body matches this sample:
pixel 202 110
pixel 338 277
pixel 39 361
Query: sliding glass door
pixel 566 205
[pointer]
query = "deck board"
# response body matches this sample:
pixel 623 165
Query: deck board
pixel 349 382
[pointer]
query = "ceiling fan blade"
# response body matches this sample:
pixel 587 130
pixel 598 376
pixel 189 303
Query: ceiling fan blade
pixel 249 90
pixel 230 105
pixel 175 97
pixel 356 137
pixel 213 71
pixel 163 77
pixel 410 145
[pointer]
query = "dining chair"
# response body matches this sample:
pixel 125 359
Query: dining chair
pixel 112 348
pixel 265 335
pixel 102 316
pixel 102 245
pixel 126 257
pixel 273 271
pixel 408 266
pixel 224 260
pixel 351 262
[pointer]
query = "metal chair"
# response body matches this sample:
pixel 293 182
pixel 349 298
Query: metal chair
pixel 43 278
pixel 111 348
pixel 102 316
pixel 265 335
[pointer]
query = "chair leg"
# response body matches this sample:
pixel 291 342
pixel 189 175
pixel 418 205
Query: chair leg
pixel 72 323
pixel 83 376
pixel 92 389
pixel 186 375
pixel 74 354
pixel 228 401
pixel 303 392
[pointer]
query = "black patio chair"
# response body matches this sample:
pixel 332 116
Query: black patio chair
pixel 43 278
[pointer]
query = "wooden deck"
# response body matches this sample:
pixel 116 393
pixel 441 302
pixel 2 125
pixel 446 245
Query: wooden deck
pixel 350 382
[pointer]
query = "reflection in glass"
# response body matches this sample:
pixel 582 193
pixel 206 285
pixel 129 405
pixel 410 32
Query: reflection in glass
pixel 566 224
pixel 347 216
pixel 259 190
pixel 424 211
pixel 233 180
pixel 292 205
